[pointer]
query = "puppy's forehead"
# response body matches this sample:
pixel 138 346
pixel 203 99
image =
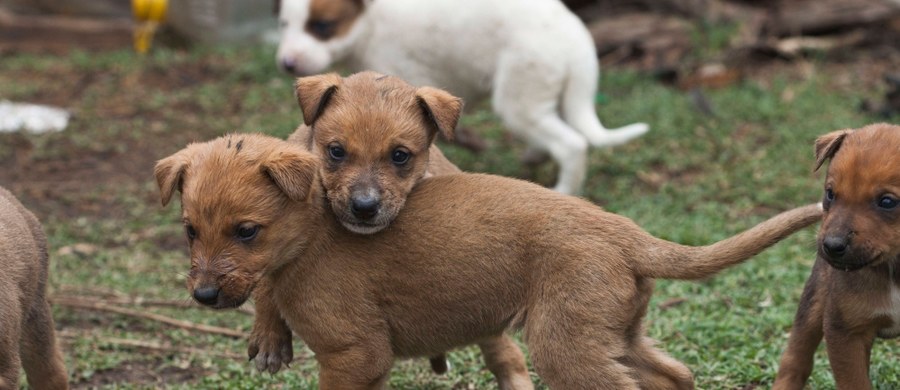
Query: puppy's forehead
pixel 868 162
pixel 224 179
pixel 374 111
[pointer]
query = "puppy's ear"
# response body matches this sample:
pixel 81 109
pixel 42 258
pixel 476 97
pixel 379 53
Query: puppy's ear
pixel 827 145
pixel 292 171
pixel 313 94
pixel 170 174
pixel 440 108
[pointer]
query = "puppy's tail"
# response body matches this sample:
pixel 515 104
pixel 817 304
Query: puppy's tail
pixel 664 259
pixel 578 108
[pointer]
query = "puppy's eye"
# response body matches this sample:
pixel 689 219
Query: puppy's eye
pixel 190 231
pixel 322 29
pixel 246 232
pixel 829 194
pixel 888 202
pixel 336 152
pixel 399 156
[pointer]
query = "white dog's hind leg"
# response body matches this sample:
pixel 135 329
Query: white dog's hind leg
pixel 529 109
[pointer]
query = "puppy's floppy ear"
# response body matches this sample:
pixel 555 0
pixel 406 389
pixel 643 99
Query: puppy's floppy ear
pixel 313 94
pixel 441 109
pixel 827 145
pixel 292 171
pixel 170 174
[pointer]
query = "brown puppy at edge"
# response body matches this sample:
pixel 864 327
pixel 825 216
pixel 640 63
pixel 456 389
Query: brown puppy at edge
pixel 379 174
pixel 853 292
pixel 470 256
pixel 27 337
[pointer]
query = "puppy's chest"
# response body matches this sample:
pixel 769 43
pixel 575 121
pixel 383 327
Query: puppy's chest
pixel 892 311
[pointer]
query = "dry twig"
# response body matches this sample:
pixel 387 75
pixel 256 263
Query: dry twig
pixel 93 304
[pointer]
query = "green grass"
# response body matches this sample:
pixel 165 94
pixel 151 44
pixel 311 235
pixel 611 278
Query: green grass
pixel 693 179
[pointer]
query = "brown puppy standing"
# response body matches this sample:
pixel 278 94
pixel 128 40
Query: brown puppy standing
pixel 368 179
pixel 853 293
pixel 469 257
pixel 27 337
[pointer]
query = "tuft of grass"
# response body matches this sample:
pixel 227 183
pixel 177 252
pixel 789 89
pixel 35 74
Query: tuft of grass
pixel 693 179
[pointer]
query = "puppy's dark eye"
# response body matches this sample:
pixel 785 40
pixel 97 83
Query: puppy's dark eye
pixel 190 231
pixel 246 232
pixel 399 156
pixel 829 194
pixel 336 152
pixel 322 29
pixel 888 202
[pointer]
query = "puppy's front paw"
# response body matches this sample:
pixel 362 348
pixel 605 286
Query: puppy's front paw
pixel 270 349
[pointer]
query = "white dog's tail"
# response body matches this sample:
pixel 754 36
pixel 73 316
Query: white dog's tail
pixel 578 108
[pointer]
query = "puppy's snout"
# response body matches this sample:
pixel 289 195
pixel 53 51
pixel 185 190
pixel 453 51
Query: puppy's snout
pixel 289 65
pixel 207 295
pixel 365 206
pixel 835 246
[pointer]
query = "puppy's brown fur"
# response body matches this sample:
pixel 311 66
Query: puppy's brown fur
pixel 370 117
pixel 470 256
pixel 27 338
pixel 853 293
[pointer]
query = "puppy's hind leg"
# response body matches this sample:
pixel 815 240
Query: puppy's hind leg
pixel 506 362
pixel 656 370
pixel 529 110
pixel 41 357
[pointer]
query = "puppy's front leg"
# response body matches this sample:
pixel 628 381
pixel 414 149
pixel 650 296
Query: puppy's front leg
pixel 848 354
pixel 270 341
pixel 806 334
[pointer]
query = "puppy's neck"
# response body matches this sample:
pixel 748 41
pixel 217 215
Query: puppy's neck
pixel 318 227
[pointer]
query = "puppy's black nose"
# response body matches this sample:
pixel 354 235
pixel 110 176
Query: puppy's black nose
pixel 289 65
pixel 835 246
pixel 365 207
pixel 206 295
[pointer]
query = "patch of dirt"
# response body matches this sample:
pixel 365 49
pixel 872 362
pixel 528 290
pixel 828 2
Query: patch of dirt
pixel 141 373
pixel 112 142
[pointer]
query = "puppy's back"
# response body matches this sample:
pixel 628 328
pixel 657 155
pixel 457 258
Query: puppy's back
pixel 23 245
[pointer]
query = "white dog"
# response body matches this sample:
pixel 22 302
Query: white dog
pixel 534 58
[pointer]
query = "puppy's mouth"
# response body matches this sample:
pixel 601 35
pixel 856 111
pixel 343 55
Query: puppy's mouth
pixel 362 227
pixel 376 223
pixel 849 263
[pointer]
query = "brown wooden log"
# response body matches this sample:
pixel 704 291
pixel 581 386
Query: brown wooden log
pixel 58 34
pixel 805 17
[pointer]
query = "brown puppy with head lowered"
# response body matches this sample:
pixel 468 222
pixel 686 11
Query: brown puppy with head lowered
pixel 853 293
pixel 27 337
pixel 470 256
pixel 368 178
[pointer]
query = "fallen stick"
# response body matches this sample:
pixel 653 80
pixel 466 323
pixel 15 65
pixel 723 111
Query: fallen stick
pixel 102 306
pixel 151 345
pixel 122 299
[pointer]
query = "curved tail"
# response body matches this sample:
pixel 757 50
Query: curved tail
pixel 578 108
pixel 664 259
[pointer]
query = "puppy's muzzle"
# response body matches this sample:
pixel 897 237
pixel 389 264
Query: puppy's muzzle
pixel 837 251
pixel 365 206
pixel 835 247
pixel 207 295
